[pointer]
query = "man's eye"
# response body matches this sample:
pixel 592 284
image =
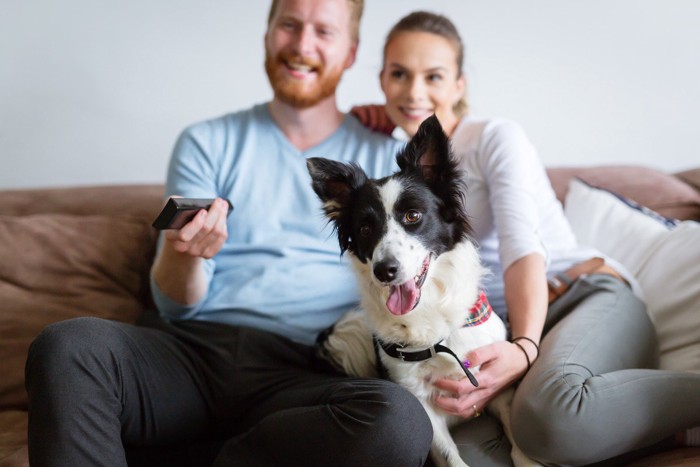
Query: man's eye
pixel 412 216
pixel 325 32
pixel 365 230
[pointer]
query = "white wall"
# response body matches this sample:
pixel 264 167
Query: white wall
pixel 96 91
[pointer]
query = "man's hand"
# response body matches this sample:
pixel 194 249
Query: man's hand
pixel 178 269
pixel 204 235
pixel 501 364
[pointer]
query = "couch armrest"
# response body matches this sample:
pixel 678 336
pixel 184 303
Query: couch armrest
pixel 669 195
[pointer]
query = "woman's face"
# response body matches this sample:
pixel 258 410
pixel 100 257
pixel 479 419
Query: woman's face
pixel 420 78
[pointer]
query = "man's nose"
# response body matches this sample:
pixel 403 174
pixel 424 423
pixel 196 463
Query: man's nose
pixel 305 40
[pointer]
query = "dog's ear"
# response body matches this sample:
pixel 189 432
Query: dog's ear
pixel 335 182
pixel 429 155
pixel 428 152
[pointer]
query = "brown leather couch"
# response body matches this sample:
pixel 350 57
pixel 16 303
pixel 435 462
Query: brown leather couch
pixel 86 251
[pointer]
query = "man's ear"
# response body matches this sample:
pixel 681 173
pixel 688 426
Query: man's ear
pixel 352 55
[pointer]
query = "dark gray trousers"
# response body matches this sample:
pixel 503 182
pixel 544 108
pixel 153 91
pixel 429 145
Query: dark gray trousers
pixel 104 393
pixel 593 394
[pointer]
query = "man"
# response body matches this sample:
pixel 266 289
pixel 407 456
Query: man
pixel 230 376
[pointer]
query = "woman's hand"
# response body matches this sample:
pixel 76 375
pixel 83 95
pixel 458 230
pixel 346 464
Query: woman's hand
pixel 374 117
pixel 501 364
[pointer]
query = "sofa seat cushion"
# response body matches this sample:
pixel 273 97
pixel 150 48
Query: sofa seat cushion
pixel 58 266
pixel 13 438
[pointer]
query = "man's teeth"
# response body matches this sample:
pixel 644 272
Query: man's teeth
pixel 300 67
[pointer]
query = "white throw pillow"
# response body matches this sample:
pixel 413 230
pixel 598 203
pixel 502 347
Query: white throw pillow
pixel 664 256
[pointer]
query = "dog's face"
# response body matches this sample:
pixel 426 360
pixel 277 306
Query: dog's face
pixel 395 226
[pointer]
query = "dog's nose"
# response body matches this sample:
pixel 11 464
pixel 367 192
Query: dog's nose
pixel 386 270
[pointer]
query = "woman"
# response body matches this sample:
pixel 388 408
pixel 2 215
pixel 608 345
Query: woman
pixel 577 352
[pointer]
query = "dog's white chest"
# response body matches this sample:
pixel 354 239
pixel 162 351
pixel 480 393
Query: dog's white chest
pixel 419 376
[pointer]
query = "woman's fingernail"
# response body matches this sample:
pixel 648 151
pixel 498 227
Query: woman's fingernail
pixel 467 364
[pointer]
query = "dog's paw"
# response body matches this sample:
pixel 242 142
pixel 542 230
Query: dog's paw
pixel 350 347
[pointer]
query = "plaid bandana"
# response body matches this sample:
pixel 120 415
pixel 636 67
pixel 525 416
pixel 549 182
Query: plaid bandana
pixel 480 312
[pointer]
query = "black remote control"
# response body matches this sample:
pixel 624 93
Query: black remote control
pixel 179 211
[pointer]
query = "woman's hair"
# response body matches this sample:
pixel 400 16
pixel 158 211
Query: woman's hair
pixel 433 23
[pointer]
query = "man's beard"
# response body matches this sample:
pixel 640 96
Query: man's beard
pixel 297 93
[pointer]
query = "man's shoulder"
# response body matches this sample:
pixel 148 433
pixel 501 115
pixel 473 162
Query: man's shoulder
pixel 364 136
pixel 225 123
pixel 374 152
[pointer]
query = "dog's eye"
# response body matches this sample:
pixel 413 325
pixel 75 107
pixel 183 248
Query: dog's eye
pixel 412 216
pixel 365 230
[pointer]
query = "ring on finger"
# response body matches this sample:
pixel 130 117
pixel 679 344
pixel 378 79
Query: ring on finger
pixel 476 412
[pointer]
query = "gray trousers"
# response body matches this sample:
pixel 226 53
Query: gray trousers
pixel 593 394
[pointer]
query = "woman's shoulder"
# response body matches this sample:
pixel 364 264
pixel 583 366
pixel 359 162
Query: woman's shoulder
pixel 493 135
pixel 489 126
pixel 489 143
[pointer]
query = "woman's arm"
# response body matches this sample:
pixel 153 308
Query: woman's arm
pixel 510 167
pixel 526 298
pixel 503 363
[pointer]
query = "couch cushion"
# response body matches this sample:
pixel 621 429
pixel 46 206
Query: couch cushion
pixel 691 177
pixel 138 201
pixel 13 438
pixel 664 193
pixel 661 253
pixel 64 266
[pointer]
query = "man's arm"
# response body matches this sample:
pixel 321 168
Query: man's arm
pixel 178 270
pixel 181 271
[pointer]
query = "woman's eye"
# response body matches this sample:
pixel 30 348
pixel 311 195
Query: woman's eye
pixel 397 74
pixel 412 216
pixel 365 231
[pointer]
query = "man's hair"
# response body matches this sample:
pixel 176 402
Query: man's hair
pixel 356 8
pixel 433 23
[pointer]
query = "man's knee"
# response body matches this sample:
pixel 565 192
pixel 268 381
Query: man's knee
pixel 400 430
pixel 70 343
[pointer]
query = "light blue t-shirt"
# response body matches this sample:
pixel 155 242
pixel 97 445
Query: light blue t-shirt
pixel 280 269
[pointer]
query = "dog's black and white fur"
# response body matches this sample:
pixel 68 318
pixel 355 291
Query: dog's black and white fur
pixel 419 272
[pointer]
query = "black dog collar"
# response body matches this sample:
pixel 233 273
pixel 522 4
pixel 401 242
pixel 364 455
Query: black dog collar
pixel 400 352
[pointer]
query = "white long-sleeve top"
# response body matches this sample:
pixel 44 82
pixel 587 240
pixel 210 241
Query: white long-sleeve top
pixel 511 203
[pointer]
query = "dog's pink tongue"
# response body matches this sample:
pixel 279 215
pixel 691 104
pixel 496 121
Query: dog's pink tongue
pixel 402 298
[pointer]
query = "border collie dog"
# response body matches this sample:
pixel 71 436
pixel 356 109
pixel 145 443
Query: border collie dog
pixel 419 272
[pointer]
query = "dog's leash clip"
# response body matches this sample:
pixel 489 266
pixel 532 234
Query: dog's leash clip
pixel 470 376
